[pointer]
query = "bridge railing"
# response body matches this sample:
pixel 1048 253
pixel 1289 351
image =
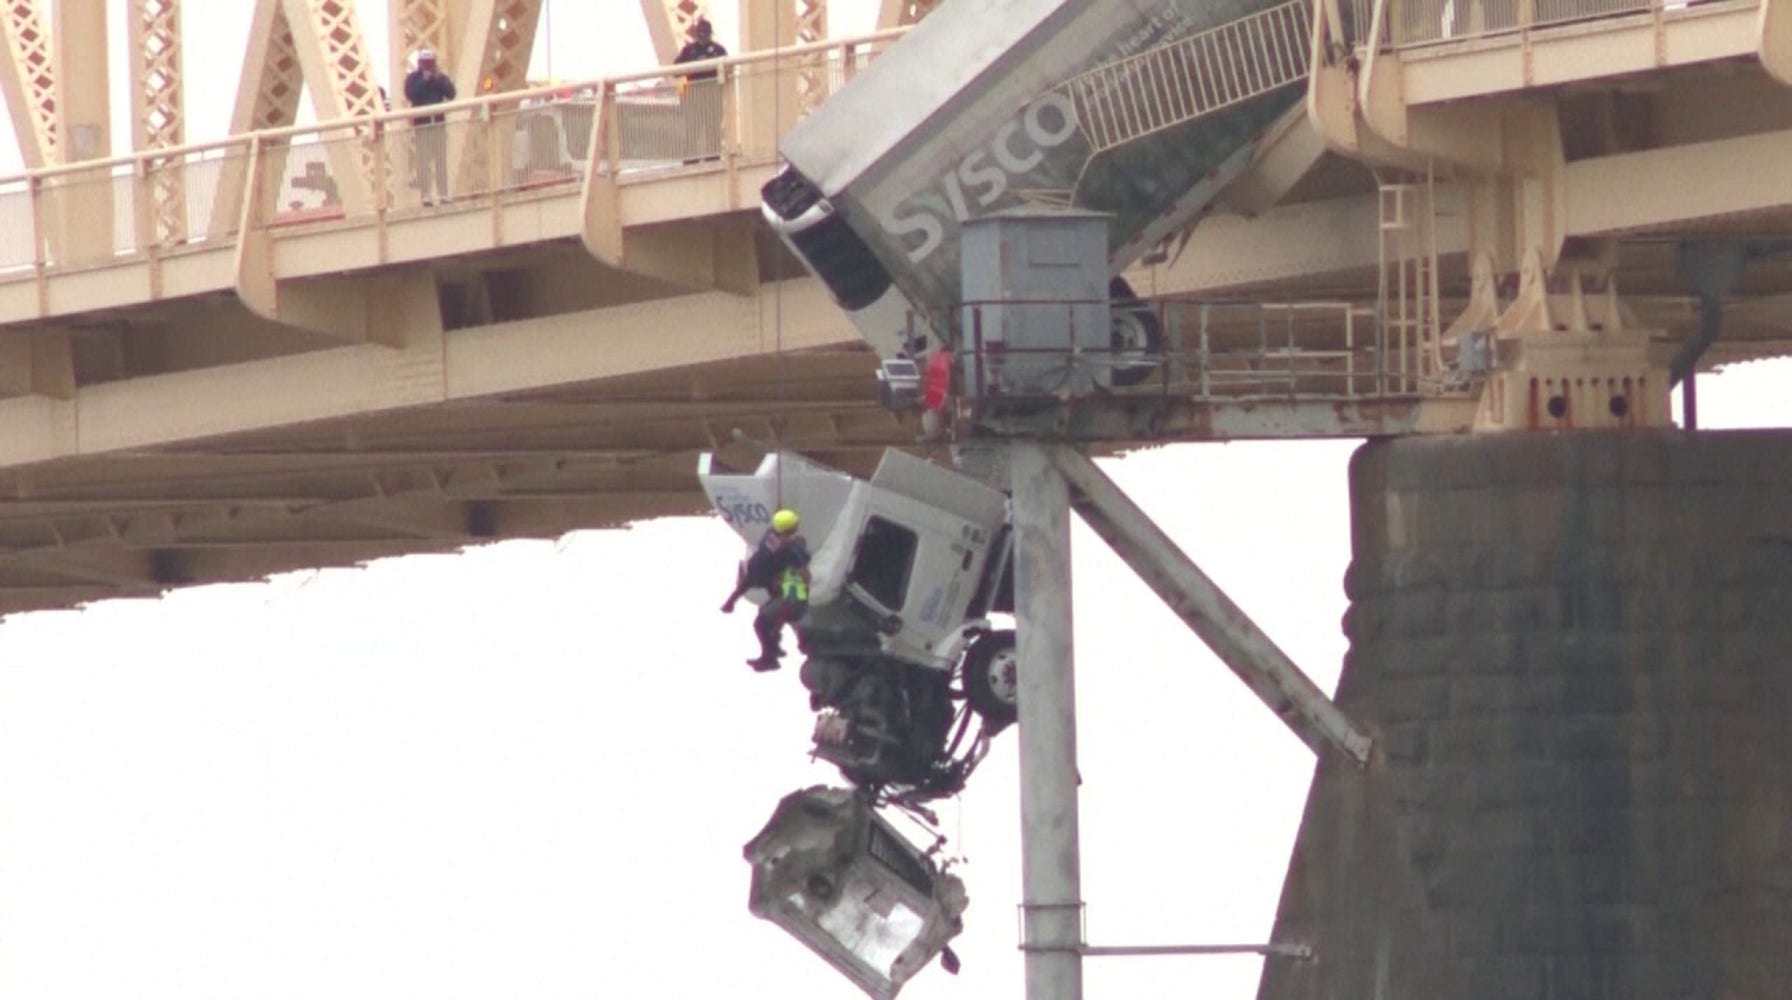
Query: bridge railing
pixel 516 144
pixel 1196 349
pixel 1423 22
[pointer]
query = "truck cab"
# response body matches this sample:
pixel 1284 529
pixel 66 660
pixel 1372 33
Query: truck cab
pixel 909 557
pixel 910 576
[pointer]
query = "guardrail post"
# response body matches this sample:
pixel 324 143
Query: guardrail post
pixel 382 185
pixel 34 186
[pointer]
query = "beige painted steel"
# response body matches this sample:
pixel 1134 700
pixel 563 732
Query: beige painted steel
pixel 376 379
pixel 669 24
pixel 770 100
pixel 158 120
pixel 81 218
pixel 29 81
pixel 339 76
pixel 495 48
pixel 419 24
pixel 1682 35
pixel 1775 34
pixel 494 59
pixel 902 13
pixel 267 97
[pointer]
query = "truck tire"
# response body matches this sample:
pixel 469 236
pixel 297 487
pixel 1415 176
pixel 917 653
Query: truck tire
pixel 991 683
pixel 1137 335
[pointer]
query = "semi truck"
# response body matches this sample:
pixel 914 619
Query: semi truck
pixel 908 649
pixel 1140 109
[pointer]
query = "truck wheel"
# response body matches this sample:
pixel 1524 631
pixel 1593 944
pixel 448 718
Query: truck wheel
pixel 991 680
pixel 1137 336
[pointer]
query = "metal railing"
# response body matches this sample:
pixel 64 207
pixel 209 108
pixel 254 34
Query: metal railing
pixel 1177 83
pixel 1201 350
pixel 1421 22
pixel 514 144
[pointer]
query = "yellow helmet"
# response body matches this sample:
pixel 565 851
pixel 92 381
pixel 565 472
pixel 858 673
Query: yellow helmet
pixel 784 521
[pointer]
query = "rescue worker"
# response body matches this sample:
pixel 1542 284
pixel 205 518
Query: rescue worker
pixel 700 95
pixel 780 567
pixel 427 85
pixel 701 47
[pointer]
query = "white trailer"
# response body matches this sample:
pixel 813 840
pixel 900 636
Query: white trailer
pixel 1141 109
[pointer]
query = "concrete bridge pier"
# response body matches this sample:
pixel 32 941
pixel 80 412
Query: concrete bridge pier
pixel 1575 653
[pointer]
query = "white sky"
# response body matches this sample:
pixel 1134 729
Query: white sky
pixel 528 770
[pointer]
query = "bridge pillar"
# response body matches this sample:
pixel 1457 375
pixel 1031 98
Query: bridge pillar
pixel 1051 860
pixel 1573 649
pixel 81 204
pixel 770 95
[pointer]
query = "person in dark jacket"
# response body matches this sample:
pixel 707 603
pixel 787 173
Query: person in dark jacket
pixel 427 85
pixel 700 94
pixel 780 567
pixel 702 46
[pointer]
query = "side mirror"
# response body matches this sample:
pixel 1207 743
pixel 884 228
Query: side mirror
pixel 899 384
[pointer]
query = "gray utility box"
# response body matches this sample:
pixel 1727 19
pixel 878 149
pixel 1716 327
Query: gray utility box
pixel 1035 316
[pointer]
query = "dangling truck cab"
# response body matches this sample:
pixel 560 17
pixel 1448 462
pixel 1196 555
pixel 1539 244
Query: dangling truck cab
pixel 907 570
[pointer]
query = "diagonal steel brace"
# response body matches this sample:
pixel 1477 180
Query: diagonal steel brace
pixel 1226 629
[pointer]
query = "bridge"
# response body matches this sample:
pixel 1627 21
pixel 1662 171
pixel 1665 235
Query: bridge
pixel 226 359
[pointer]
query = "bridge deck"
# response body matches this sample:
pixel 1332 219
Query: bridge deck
pixel 301 364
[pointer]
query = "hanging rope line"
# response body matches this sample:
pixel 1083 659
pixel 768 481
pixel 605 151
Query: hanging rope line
pixel 781 421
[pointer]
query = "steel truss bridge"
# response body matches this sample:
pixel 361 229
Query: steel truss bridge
pixel 225 359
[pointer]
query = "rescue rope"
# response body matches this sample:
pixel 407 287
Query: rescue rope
pixel 782 418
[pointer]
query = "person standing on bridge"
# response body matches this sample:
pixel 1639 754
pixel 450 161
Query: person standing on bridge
pixel 700 95
pixel 427 85
pixel 780 567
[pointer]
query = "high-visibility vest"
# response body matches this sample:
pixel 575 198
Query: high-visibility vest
pixel 793 586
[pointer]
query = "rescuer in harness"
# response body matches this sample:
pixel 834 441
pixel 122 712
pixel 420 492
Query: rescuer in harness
pixel 780 567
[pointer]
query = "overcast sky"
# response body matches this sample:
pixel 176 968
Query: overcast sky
pixel 528 770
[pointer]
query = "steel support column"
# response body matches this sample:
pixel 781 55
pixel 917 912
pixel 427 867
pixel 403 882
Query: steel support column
pixel 669 24
pixel 1237 640
pixel 896 13
pixel 29 81
pixel 768 101
pixel 1051 866
pixel 159 119
pixel 83 202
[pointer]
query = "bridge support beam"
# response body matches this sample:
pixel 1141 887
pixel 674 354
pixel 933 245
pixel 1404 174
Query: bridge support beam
pixel 28 79
pixel 1776 39
pixel 37 362
pixel 1051 861
pixel 669 24
pixel 82 216
pixel 768 102
pixel 1571 647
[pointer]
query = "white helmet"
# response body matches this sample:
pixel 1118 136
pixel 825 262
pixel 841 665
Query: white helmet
pixel 426 56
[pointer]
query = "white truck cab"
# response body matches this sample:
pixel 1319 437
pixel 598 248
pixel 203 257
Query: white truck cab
pixel 901 655
pixel 914 554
